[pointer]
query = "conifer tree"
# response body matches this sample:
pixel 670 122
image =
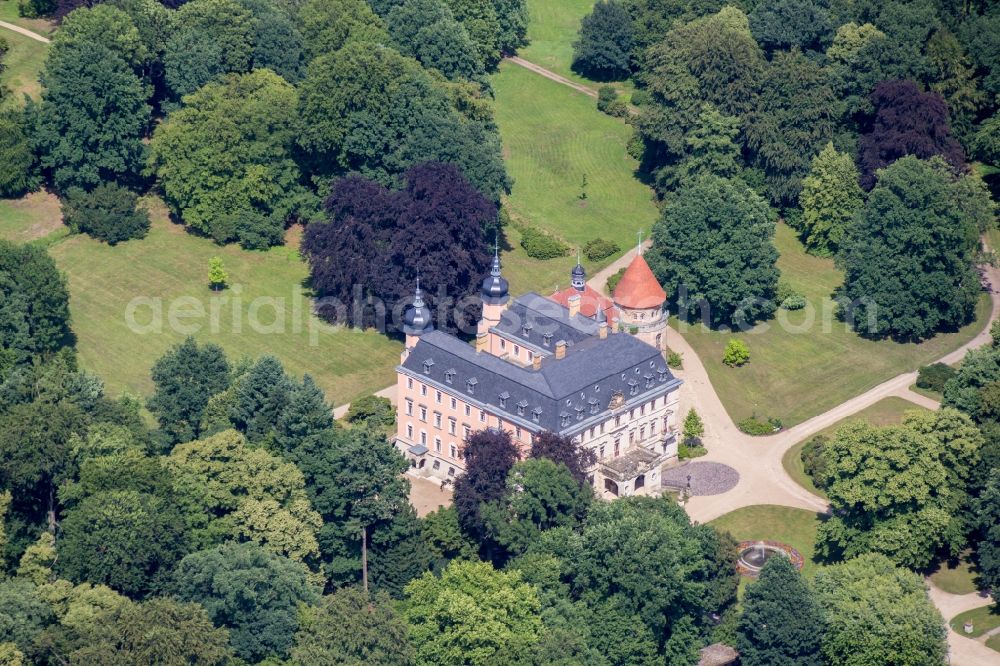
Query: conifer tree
pixel 781 623
pixel 261 397
pixel 830 198
pixel 305 417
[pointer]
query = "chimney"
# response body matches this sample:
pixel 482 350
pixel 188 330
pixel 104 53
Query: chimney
pixel 602 330
pixel 560 350
pixel 574 305
pixel 536 362
pixel 482 341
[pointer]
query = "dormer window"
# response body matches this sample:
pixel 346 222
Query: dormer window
pixel 428 364
pixel 503 399
pixel 470 385
pixel 526 329
pixel 536 414
pixel 649 380
pixel 661 374
pixel 579 413
pixel 633 387
pixel 564 419
pixel 449 375
pixel 521 406
pixel 594 405
pixel 547 339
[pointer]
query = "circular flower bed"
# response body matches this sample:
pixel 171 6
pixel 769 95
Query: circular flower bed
pixel 747 567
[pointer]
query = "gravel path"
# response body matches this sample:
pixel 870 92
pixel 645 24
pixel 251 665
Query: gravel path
pixel 706 478
pixel 24 31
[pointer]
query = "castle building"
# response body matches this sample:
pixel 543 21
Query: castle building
pixel 575 363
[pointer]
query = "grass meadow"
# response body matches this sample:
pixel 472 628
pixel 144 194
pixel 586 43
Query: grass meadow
pixel 796 527
pixel 171 264
pixel 795 374
pixel 553 136
pixel 25 56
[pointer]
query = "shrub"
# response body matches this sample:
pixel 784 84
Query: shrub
pixel 599 248
pixel 615 279
pixel 107 213
pixel 640 97
pixel 737 353
pixel 606 94
pixel 372 410
pixel 788 298
pixel 35 8
pixel 754 426
pixel 813 463
pixel 674 360
pixel 933 377
pixel 540 245
pixel 690 450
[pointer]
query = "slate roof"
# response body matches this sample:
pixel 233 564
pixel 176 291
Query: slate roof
pixel 547 323
pixel 562 396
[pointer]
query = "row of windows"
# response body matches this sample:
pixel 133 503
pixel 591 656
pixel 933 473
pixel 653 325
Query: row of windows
pixel 632 437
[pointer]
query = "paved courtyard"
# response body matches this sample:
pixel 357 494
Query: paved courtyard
pixel 704 478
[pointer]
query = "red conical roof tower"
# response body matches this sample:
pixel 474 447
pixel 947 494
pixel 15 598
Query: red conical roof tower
pixel 638 289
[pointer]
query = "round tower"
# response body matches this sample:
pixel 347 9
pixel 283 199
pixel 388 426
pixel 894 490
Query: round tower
pixel 578 276
pixel 495 295
pixel 416 319
pixel 640 299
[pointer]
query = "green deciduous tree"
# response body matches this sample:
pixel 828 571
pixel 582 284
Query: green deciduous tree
pixel 795 114
pixel 908 258
pixel 899 490
pixel 377 112
pixel 23 614
pixel 161 631
pixel 712 59
pixel 541 495
pixel 427 30
pixel 604 48
pixel 986 518
pixel 352 628
pixel 92 117
pixel 472 614
pixel 224 160
pixel 34 311
pixel 251 591
pixel 784 24
pixel 877 614
pixel 109 213
pixel 228 490
pixel 208 38
pixel 17 161
pixel 713 245
pixel 217 276
pixel 830 198
pixel 329 25
pixel 124 539
pixel 694 428
pixel 781 624
pixel 185 377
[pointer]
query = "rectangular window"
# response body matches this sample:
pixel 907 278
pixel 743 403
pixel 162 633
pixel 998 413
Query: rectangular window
pixel 517 351
pixel 642 433
pixel 618 420
pixel 600 455
pixel 409 432
pixel 652 427
pixel 631 437
pixel 454 404
pixel 618 447
pixel 482 416
pixel 453 451
pixel 438 397
pixel 409 407
pixel 451 426
pixel 503 344
pixel 468 410
pixel 517 432
pixel 437 444
pixel 423 389
pixel 409 382
pixel 423 413
pixel 466 430
pixel 642 410
pixel 437 419
pixel 423 438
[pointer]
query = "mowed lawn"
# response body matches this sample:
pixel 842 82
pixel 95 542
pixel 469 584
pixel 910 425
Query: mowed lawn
pixel 795 527
pixel 553 28
pixel 886 411
pixel 553 136
pixel 169 265
pixel 800 369
pixel 25 57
